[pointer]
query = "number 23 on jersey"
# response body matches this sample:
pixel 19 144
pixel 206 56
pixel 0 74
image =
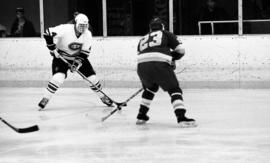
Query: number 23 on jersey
pixel 150 40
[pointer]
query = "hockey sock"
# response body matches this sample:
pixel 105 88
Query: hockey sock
pixel 97 86
pixel 147 97
pixel 56 81
pixel 177 98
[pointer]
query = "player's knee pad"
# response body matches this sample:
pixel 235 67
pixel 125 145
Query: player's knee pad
pixel 176 94
pixel 96 84
pixel 56 81
pixel 58 78
pixel 93 79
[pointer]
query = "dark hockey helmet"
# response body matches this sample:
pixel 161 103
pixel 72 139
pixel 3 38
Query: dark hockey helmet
pixel 156 24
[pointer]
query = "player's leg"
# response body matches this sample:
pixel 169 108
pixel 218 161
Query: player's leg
pixel 59 71
pixel 96 88
pixel 168 82
pixel 87 70
pixel 146 73
pixel 147 97
pixel 179 108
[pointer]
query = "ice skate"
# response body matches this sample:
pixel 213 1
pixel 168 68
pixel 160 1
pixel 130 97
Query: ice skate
pixel 183 121
pixel 43 103
pixel 106 101
pixel 142 119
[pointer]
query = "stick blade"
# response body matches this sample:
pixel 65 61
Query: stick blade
pixel 28 129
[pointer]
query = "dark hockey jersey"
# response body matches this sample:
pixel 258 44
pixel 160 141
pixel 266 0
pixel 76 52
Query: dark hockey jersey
pixel 156 46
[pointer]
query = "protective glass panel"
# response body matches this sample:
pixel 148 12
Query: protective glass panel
pixel 93 9
pixel 131 17
pixel 256 16
pixel 190 16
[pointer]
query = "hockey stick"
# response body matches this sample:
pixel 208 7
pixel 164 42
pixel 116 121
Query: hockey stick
pixel 131 97
pixel 86 79
pixel 21 130
pixel 124 104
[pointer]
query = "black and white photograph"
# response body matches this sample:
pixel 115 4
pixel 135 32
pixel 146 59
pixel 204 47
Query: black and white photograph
pixel 135 81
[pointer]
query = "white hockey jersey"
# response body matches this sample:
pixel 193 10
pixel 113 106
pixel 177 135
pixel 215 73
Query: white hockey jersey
pixel 68 43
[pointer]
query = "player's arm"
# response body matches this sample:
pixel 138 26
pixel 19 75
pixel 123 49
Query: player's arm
pixel 83 54
pixel 177 47
pixel 178 52
pixel 49 35
pixel 49 38
pixel 77 62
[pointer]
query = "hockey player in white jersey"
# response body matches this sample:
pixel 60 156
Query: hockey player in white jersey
pixel 73 42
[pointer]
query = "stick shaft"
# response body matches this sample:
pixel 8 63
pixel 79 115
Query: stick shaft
pixel 132 96
pixel 14 128
pixel 86 79
pixel 111 113
pixel 119 107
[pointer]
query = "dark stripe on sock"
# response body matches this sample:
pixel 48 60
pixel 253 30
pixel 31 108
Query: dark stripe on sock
pixel 52 88
pixel 53 85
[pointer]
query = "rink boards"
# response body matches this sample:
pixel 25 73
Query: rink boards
pixel 210 62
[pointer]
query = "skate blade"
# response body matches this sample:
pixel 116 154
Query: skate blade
pixel 140 122
pixel 188 124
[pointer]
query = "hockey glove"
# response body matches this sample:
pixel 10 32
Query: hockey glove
pixel 77 63
pixel 49 40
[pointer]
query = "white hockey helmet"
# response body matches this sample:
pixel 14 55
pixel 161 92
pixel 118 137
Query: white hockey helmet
pixel 81 21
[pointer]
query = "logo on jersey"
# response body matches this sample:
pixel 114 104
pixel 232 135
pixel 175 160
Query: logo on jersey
pixel 75 46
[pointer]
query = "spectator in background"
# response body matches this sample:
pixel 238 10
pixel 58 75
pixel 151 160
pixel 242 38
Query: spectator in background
pixel 3 31
pixel 21 26
pixel 72 21
pixel 212 12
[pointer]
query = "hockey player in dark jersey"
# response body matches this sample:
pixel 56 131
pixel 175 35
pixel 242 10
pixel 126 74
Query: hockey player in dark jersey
pixel 155 70
pixel 73 42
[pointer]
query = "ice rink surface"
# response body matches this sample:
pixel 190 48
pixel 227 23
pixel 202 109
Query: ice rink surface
pixel 234 126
